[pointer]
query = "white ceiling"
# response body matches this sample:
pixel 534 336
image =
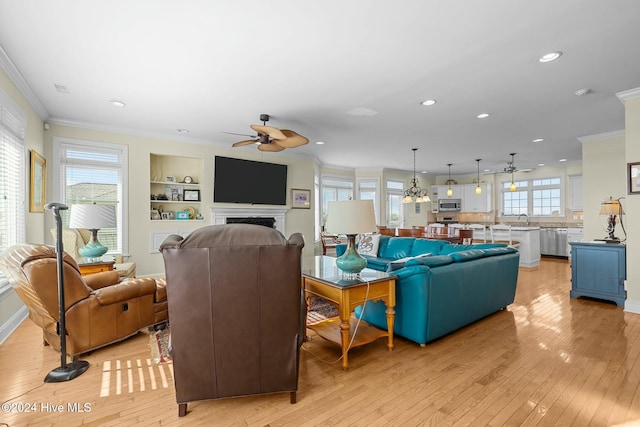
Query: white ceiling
pixel 214 66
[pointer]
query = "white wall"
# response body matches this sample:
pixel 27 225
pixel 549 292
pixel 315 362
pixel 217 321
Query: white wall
pixel 632 202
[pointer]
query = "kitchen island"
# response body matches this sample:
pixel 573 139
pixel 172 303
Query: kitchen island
pixel 528 238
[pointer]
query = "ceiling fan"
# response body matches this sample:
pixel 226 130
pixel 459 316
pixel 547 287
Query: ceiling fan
pixel 511 166
pixel 272 139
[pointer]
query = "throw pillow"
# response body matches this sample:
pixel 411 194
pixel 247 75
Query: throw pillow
pixel 369 244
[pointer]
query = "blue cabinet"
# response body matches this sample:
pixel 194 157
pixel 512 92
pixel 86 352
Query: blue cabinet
pixel 598 271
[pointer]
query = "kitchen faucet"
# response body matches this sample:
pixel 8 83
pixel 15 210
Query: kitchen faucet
pixel 525 215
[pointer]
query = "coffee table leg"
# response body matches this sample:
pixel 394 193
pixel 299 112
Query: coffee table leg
pixel 391 315
pixel 344 335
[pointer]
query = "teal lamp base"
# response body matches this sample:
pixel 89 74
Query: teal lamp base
pixel 351 262
pixel 93 249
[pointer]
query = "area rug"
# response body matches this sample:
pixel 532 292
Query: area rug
pixel 320 310
pixel 159 345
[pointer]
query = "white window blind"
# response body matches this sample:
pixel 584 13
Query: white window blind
pixel 92 172
pixel 12 177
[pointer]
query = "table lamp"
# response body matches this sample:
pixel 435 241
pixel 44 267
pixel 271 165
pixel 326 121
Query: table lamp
pixel 351 217
pixel 92 217
pixel 611 208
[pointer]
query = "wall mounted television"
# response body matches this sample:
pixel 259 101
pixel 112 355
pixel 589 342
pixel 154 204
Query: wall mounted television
pixel 249 181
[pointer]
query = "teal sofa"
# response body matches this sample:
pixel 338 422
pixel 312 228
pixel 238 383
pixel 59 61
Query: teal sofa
pixel 437 294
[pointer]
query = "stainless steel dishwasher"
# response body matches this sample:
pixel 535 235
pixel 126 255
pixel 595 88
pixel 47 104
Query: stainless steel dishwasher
pixel 553 241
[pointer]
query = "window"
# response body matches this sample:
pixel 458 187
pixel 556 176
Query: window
pixel 536 197
pixel 335 189
pixel 368 190
pixel 395 193
pixel 94 172
pixel 12 174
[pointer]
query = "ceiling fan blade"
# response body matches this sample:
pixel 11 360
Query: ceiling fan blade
pixel 269 130
pixel 270 147
pixel 241 134
pixel 293 139
pixel 246 142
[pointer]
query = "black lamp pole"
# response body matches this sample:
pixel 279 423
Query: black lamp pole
pixel 66 371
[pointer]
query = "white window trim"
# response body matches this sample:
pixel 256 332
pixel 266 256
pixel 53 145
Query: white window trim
pixel 529 189
pixel 57 185
pixel 377 191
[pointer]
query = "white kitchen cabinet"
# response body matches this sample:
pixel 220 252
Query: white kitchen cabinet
pixel 472 202
pixel 441 191
pixel 575 193
pixel 529 238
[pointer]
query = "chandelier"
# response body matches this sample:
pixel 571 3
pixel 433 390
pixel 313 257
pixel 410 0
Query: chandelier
pixel 415 193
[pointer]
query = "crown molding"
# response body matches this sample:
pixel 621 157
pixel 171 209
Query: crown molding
pixel 604 135
pixel 628 94
pixel 23 87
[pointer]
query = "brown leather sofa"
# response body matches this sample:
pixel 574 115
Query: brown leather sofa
pixel 236 309
pixel 100 309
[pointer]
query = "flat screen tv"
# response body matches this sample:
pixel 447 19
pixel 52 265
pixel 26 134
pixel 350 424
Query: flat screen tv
pixel 248 181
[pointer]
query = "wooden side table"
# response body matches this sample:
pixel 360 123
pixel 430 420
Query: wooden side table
pixel 326 281
pixel 95 267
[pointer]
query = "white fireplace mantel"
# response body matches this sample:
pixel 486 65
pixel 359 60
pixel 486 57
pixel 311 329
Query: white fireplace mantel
pixel 219 215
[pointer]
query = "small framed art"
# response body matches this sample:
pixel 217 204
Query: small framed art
pixel 182 215
pixel 191 196
pixel 633 173
pixel 37 193
pixel 300 199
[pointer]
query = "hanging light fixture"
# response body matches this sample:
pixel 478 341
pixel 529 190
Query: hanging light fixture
pixel 511 168
pixel 478 188
pixel 415 193
pixel 449 190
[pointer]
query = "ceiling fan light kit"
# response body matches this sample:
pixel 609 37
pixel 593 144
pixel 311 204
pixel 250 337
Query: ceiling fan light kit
pixel 272 139
pixel 511 168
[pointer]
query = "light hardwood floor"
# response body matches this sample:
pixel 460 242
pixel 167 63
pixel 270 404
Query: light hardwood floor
pixel 546 360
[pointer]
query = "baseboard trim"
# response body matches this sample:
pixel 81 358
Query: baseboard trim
pixel 632 306
pixel 12 324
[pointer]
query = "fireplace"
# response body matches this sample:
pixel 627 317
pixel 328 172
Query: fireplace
pixel 275 217
pixel 257 220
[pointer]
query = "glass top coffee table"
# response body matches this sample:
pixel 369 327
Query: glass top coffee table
pixel 325 280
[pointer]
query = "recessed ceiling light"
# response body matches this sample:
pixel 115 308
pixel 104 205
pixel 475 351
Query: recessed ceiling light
pixel 538 140
pixel 62 89
pixel 320 143
pixel 116 103
pixel 483 115
pixel 183 130
pixel 540 164
pixel 562 160
pixel 486 170
pixel 423 172
pixel 552 56
pixel 429 102
pixel 582 92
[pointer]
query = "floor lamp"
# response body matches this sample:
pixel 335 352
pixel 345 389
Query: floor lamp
pixel 66 371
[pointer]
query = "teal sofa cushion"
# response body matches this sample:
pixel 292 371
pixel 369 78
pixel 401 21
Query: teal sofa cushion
pixel 468 255
pixel 499 251
pixel 426 246
pixel 432 261
pixel 400 263
pixel 396 248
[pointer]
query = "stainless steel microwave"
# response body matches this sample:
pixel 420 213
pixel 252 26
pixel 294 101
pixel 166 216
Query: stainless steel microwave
pixel 449 205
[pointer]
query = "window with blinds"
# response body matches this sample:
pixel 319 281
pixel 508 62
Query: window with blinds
pixel 12 177
pixel 93 172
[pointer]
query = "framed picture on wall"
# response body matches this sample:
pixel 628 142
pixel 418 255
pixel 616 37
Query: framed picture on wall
pixel 300 199
pixel 38 187
pixel 633 173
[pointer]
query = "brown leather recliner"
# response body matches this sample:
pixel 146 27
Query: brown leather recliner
pixel 236 309
pixel 100 309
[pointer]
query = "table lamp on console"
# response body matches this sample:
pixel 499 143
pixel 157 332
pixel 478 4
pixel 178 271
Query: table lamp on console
pixel 92 217
pixel 611 208
pixel 351 217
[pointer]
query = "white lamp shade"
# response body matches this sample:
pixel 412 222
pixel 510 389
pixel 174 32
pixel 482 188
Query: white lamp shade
pixel 92 217
pixel 351 217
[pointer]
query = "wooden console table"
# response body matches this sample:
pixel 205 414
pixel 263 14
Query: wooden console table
pixel 325 280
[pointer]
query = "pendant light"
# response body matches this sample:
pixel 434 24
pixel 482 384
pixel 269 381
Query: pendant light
pixel 415 193
pixel 512 168
pixel 449 190
pixel 478 188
